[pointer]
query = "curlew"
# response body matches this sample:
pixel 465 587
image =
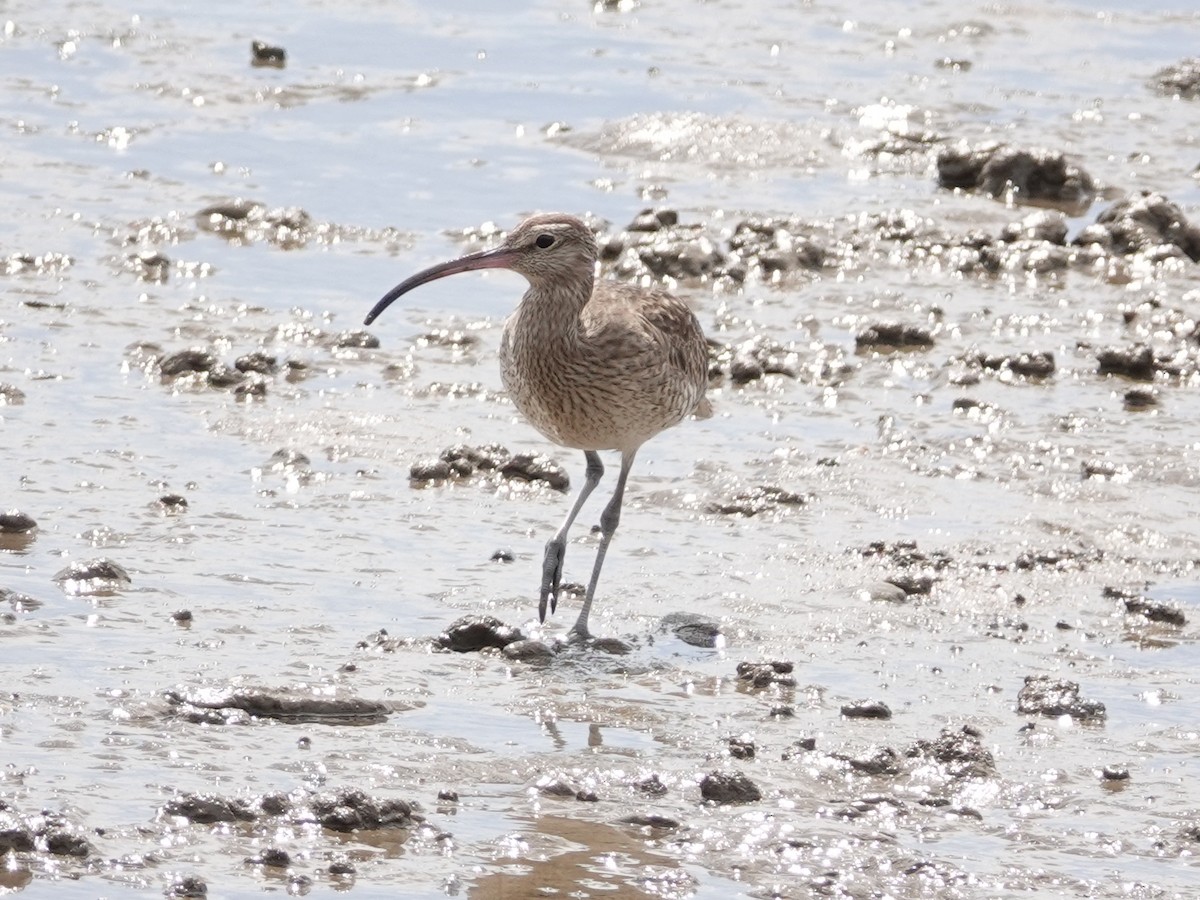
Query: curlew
pixel 592 365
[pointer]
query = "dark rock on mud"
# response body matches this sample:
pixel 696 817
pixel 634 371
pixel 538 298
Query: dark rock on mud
pixel 209 809
pixel 729 787
pixel 650 820
pixel 258 361
pixel 19 602
pixel 189 886
pixel 1038 364
pixel 775 245
pixel 1139 399
pixel 187 362
pixel 173 503
pixel 447 796
pixel 1181 79
pixel 354 810
pixel 472 632
pixel 1061 559
pixel 893 335
pixel 692 628
pixel 287 459
pixel 150 265
pixel 1146 223
pixel 1138 363
pixel 245 221
pixel 876 761
pixel 97 574
pixel 765 674
pixel 759 356
pixel 653 220
pixel 453 338
pixel 536 467
pixel 910 584
pixel 504 556
pixel 741 748
pixel 381 642
pixel 756 500
pixel 557 787
pixel 528 651
pixel 221 376
pixel 1156 611
pixel 906 554
pixel 800 746
pixel 285 706
pixel 427 471
pixel 265 55
pixel 1032 176
pixel 960 751
pixel 462 461
pixel 356 339
pixel 866 709
pixel 275 857
pixel 10 394
pixel 1047 225
pixel 16 522
pixel 252 387
pixel 652 785
pixel 1046 696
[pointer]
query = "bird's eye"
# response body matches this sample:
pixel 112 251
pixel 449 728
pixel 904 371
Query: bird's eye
pixel 544 241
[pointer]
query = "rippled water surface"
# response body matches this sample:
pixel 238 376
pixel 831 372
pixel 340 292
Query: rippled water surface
pixel 1033 505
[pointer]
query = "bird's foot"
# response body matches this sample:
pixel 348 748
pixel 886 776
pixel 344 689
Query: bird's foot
pixel 552 568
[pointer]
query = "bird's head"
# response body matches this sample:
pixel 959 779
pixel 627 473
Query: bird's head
pixel 548 249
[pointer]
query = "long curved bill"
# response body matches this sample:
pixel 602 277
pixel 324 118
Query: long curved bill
pixel 499 258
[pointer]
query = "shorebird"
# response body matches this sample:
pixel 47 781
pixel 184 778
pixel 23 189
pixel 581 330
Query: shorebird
pixel 592 365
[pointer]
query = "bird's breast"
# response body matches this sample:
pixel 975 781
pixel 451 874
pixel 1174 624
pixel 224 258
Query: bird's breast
pixel 597 389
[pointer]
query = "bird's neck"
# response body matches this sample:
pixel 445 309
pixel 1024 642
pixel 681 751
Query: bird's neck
pixel 555 309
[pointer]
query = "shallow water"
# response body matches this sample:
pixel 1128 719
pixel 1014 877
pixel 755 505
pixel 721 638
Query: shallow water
pixel 394 124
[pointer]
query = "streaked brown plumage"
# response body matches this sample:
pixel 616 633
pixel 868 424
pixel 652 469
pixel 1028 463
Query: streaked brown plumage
pixel 592 365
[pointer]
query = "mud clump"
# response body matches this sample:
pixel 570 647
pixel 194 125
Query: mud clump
pixel 893 335
pixel 693 628
pixel 756 500
pixel 1046 696
pixel 757 357
pixel 876 761
pixel 209 809
pixel 1146 223
pixel 263 55
pixel 866 709
pixel 1181 79
pixel 472 633
pixel 93 576
pixel 190 886
pixel 960 752
pixel 242 221
pixel 354 810
pixel 1036 176
pixel 281 705
pixel 342 811
pixel 1148 609
pixel 765 674
pixel 462 462
pixel 729 787
pixel 1034 364
pixel 16 522
pixel 528 651
pixel 47 832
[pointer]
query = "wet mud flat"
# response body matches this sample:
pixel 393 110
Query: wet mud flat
pixel 913 615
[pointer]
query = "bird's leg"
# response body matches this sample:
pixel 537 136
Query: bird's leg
pixel 609 520
pixel 556 547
